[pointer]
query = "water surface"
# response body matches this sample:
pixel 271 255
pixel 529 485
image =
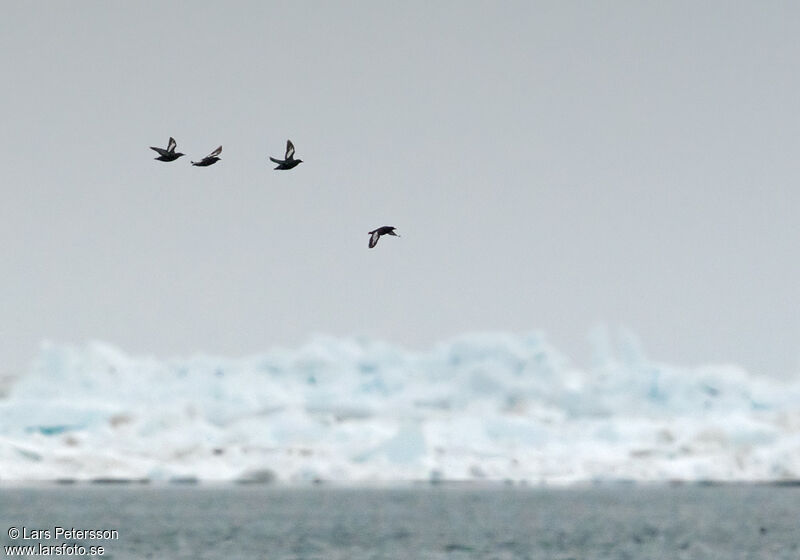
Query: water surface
pixel 276 523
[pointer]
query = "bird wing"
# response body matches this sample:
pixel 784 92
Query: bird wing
pixel 172 144
pixel 215 153
pixel 161 151
pixel 289 149
pixel 373 239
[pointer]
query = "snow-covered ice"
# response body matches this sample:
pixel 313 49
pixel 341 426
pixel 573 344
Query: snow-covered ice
pixel 480 407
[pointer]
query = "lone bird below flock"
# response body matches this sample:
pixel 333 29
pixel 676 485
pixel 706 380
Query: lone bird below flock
pixel 210 159
pixel 169 154
pixel 288 162
pixel 375 234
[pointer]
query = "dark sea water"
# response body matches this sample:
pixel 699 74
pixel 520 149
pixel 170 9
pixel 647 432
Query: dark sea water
pixel 436 522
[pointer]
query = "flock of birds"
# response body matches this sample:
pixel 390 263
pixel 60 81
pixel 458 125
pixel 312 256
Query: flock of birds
pixel 288 162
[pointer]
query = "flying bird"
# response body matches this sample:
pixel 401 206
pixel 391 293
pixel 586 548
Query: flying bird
pixel 210 159
pixel 288 162
pixel 169 154
pixel 375 234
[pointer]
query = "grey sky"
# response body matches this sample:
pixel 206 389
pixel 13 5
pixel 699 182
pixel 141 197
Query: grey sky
pixel 549 165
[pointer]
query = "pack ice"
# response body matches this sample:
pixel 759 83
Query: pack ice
pixel 482 407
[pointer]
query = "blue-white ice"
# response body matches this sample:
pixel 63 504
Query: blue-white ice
pixel 480 407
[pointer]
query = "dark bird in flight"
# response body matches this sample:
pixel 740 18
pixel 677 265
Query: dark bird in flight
pixel 210 159
pixel 375 234
pixel 288 162
pixel 169 154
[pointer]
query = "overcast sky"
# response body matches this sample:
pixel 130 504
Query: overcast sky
pixel 550 166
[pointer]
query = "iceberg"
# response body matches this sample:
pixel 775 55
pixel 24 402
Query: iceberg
pixel 480 407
